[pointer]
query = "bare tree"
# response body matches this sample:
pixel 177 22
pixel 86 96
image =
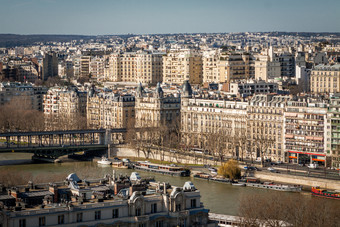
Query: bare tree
pixel 18 115
pixel 267 210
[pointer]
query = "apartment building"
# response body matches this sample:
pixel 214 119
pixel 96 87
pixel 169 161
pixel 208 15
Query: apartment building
pixel 265 126
pixel 270 65
pixel 182 65
pixel 211 70
pixel 29 95
pixel 305 121
pixel 325 79
pixel 236 66
pixel 21 71
pixel 109 110
pixel 244 89
pixel 84 66
pixel 136 67
pixel 201 117
pixel 96 68
pixel 156 109
pixel 64 101
pixel 49 65
pixel 333 131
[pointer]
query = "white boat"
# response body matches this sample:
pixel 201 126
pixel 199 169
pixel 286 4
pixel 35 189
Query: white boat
pixel 239 184
pixel 104 161
pixel 278 187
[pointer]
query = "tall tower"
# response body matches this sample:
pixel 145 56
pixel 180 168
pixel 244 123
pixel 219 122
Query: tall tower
pixel 50 65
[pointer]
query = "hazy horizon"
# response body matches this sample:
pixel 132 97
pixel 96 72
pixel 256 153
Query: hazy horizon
pixel 121 17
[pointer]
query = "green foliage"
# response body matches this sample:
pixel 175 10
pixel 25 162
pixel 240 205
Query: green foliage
pixel 230 169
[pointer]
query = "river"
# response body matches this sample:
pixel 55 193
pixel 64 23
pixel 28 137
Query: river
pixel 218 197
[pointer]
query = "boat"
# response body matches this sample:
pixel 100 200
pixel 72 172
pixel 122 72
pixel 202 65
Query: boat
pixel 317 191
pixel 270 185
pixel 119 164
pixel 240 184
pixel 104 161
pixel 164 169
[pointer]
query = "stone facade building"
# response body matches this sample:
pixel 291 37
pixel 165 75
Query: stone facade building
pixel 155 109
pixel 265 126
pixel 325 79
pixel 107 110
pixel 136 67
pixel 201 118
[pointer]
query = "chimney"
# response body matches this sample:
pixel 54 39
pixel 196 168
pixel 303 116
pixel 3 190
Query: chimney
pixel 14 192
pixel 54 189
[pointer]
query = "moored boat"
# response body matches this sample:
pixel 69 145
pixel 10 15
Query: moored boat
pixel 317 191
pixel 104 161
pixel 270 185
pixel 119 164
pixel 240 184
pixel 164 169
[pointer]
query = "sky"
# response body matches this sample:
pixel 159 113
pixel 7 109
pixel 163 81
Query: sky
pixel 111 17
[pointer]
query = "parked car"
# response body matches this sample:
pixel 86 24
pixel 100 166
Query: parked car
pixel 313 166
pixel 271 169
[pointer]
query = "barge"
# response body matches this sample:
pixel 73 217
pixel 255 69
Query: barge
pixel 270 185
pixel 163 169
pixel 316 191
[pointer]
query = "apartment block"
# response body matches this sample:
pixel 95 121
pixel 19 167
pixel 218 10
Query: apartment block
pixel 136 67
pixel 64 101
pixel 333 131
pixel 27 94
pixel 156 109
pixel 325 79
pixel 211 69
pixel 236 66
pixel 182 65
pixel 49 65
pixel 265 126
pixel 201 117
pixel 108 110
pixel 305 129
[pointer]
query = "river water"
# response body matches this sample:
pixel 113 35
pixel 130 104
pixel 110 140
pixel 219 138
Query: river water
pixel 218 197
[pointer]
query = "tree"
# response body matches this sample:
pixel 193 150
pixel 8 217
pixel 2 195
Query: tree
pixel 230 169
pixel 18 115
pixel 267 210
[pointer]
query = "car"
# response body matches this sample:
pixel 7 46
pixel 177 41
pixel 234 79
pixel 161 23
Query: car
pixel 271 169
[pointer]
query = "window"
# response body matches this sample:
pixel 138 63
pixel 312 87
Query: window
pixel 159 224
pixel 61 219
pixel 42 221
pixel 178 207
pixel 22 223
pixel 154 208
pixel 79 217
pixel 115 213
pixel 141 225
pixel 193 203
pixel 138 212
pixel 97 215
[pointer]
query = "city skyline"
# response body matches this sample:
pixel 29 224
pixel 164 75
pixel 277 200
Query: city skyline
pixel 154 17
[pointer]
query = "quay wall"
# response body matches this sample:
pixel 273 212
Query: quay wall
pixel 124 151
pixel 298 180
